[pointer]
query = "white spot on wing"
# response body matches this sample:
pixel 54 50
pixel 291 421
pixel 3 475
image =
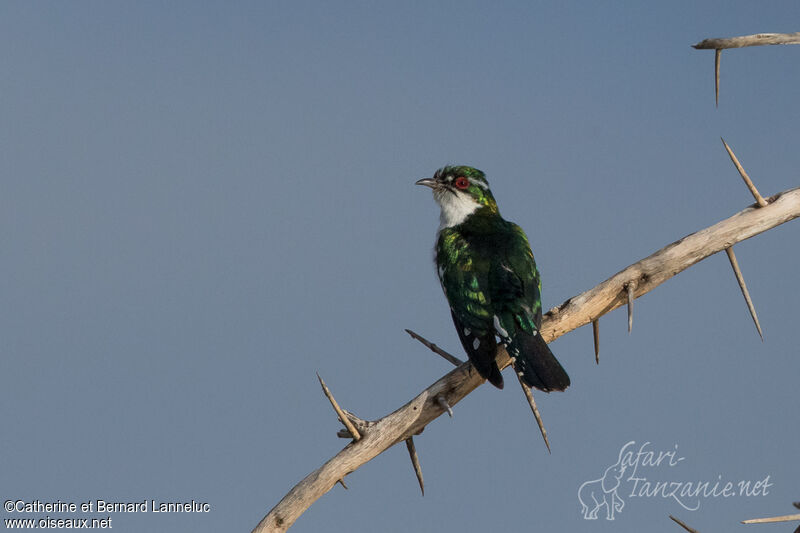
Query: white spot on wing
pixel 476 343
pixel 467 331
pixel 499 329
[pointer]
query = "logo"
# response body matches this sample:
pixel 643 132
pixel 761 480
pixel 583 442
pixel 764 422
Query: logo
pixel 642 472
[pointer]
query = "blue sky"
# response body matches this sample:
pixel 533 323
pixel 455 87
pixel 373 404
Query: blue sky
pixel 203 204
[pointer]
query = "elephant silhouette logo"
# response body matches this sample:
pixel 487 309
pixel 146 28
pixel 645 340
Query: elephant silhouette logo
pixel 595 494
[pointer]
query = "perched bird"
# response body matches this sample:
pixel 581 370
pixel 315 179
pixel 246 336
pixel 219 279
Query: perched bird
pixel 489 277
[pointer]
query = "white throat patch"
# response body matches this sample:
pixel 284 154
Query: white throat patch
pixel 455 207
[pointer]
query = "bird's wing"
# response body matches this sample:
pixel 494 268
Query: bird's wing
pixel 465 280
pixel 514 284
pixel 516 294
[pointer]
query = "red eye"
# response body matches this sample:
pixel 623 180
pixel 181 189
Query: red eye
pixel 461 182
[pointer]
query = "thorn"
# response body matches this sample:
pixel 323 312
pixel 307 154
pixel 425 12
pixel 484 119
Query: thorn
pixel 717 59
pixel 684 526
pixel 532 403
pixel 596 335
pixel 412 451
pixel 784 518
pixel 442 401
pixel 630 286
pixel 747 181
pixel 343 417
pixel 341 482
pixel 435 349
pixel 745 292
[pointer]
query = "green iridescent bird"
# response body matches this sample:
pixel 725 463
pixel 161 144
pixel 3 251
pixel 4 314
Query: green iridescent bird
pixel 489 277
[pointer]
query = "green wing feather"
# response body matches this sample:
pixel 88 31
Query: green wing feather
pixel 516 293
pixel 464 276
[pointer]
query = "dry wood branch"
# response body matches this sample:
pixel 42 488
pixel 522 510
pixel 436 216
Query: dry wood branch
pixel 747 181
pixel 419 412
pixel 717 61
pixel 361 425
pixel 442 401
pixel 740 280
pixel 683 525
pixel 771 519
pixel 669 261
pixel 630 289
pixel 412 452
pixel 456 361
pixel 343 417
pixel 435 349
pixel 535 410
pixel 757 39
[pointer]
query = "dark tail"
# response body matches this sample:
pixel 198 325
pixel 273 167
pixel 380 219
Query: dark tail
pixel 538 365
pixel 495 377
pixel 481 350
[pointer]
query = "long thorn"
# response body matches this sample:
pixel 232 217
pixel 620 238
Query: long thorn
pixel 343 417
pixel 442 401
pixel 596 336
pixel 412 451
pixel 747 181
pixel 532 403
pixel 684 526
pixel 630 286
pixel 784 518
pixel 341 482
pixel 740 279
pixel 435 349
pixel 717 59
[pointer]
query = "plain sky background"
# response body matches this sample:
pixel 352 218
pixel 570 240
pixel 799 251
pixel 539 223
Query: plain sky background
pixel 203 204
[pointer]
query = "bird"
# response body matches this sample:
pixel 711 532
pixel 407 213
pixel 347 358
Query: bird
pixel 489 277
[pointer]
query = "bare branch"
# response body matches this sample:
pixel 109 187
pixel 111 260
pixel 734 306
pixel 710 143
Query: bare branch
pixel 717 61
pixel 654 270
pixel 343 417
pixel 584 308
pixel 784 518
pixel 757 39
pixel 747 181
pixel 435 349
pixel 684 526
pixel 361 425
pixel 412 452
pixel 740 42
pixel 596 337
pixel 442 401
pixel 740 279
pixel 532 403
pixel 630 287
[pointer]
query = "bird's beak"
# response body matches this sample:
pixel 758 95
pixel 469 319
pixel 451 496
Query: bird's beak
pixel 428 182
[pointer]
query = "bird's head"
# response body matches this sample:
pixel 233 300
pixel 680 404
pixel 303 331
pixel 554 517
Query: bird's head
pixel 459 191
